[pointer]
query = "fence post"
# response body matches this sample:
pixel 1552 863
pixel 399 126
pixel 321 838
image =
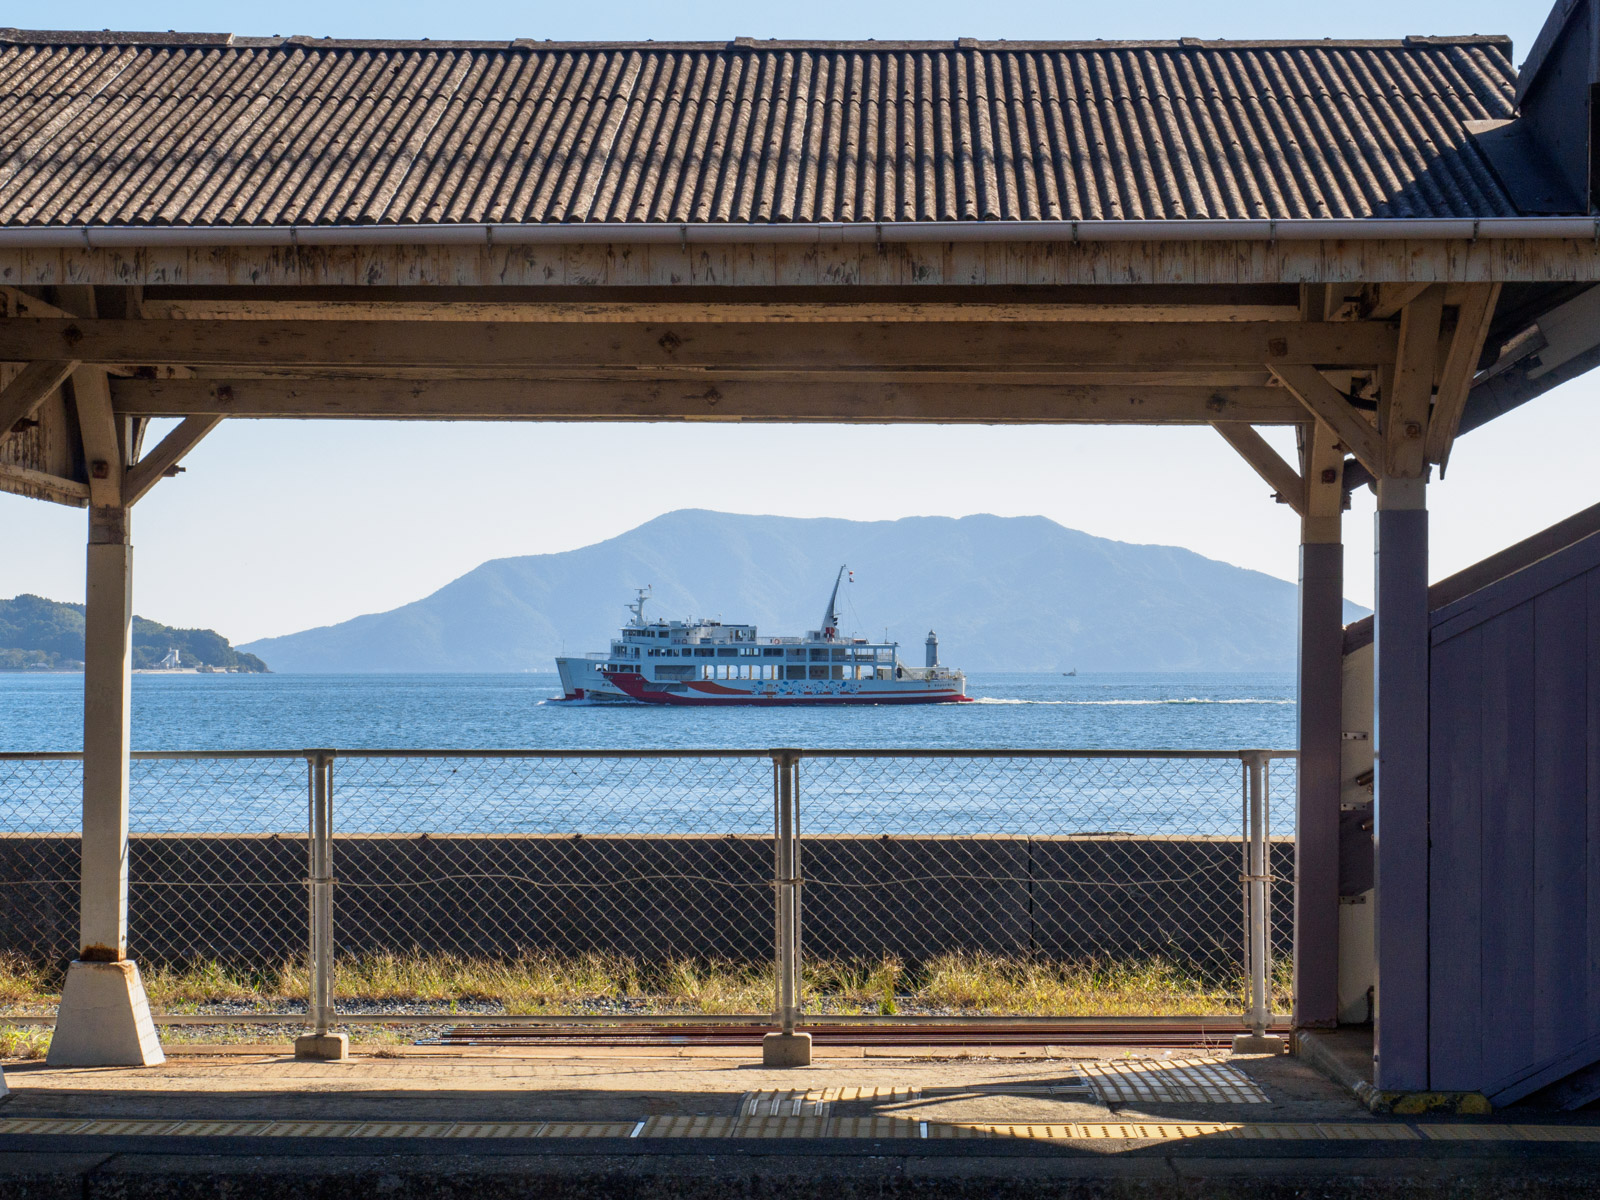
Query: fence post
pixel 786 1047
pixel 321 1043
pixel 1257 919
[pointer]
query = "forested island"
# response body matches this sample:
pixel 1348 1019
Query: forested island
pixel 46 635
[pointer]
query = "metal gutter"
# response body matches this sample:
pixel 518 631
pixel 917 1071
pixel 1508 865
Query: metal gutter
pixel 109 237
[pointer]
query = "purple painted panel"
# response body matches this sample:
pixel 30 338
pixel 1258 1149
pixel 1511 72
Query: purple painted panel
pixel 1506 799
pixel 1561 825
pixel 1514 828
pixel 1455 739
pixel 1592 741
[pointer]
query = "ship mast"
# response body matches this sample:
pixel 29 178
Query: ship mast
pixel 637 607
pixel 830 619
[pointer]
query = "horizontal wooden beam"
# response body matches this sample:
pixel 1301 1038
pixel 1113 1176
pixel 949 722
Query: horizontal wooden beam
pixel 706 400
pixel 840 268
pixel 680 311
pixel 690 347
pixel 147 472
pixel 1195 377
pixel 1267 463
pixel 40 485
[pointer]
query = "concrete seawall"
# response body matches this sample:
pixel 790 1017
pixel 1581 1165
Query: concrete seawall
pixel 243 898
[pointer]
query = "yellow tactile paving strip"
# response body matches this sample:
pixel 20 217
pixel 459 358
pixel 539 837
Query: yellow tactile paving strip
pixel 812 1126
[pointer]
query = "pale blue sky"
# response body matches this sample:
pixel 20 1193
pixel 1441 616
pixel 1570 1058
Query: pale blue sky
pixel 716 20
pixel 278 526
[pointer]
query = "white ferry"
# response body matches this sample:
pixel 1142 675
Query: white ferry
pixel 709 663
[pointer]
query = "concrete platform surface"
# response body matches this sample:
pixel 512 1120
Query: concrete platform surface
pixel 1056 1122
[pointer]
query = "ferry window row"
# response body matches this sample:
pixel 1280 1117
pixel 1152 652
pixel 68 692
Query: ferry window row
pixel 758 671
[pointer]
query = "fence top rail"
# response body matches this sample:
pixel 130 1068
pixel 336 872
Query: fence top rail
pixel 901 752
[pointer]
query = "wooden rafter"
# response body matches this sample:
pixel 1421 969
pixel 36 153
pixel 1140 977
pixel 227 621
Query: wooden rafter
pixel 1328 404
pixel 21 398
pixel 1268 463
pixel 707 398
pixel 1461 363
pixel 691 348
pixel 149 470
pixel 1389 299
pixel 42 485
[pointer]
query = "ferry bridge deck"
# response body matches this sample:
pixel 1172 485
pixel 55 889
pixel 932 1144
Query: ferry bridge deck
pixel 1383 245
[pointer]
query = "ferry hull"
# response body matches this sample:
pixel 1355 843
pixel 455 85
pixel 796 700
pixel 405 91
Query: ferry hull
pixel 716 694
pixel 582 680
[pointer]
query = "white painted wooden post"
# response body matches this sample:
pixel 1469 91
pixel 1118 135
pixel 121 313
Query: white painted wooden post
pixel 104 1019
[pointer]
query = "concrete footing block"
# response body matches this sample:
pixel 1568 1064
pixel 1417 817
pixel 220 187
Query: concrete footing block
pixel 1266 1043
pixel 324 1047
pixel 4 1090
pixel 786 1050
pixel 104 1019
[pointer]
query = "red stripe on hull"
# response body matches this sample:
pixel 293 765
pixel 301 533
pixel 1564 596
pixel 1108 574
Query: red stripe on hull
pixel 637 687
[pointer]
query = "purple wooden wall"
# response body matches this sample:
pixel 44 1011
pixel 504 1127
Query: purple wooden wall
pixel 1514 826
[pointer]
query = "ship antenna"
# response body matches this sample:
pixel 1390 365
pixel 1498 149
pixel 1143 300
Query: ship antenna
pixel 830 619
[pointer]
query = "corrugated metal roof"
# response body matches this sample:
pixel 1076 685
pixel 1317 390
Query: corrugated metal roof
pixel 154 129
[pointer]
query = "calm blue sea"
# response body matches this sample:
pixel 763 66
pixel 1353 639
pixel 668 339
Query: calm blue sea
pixel 392 795
pixel 233 712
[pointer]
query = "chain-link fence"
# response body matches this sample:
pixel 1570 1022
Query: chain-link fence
pixel 216 857
pixel 1030 882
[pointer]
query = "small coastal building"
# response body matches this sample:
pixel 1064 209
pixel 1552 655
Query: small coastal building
pixel 1384 245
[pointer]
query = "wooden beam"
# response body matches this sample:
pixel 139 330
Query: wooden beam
pixel 1408 399
pixel 1322 468
pixel 41 485
pixel 1214 378
pixel 21 398
pixel 97 425
pixel 706 312
pixel 1474 314
pixel 14 302
pixel 1279 475
pixel 1328 405
pixel 1390 298
pixel 708 398
pixel 666 349
pixel 149 470
pixel 841 269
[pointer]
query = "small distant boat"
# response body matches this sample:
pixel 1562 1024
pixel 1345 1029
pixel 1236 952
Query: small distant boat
pixel 709 664
pixel 1070 673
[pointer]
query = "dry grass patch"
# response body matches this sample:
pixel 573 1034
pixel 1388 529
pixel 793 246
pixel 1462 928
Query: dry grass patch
pixel 23 981
pixel 23 1042
pixel 984 983
pixel 540 983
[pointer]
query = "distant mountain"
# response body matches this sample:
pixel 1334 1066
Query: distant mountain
pixel 39 634
pixel 1004 594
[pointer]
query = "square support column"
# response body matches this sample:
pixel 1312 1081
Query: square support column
pixel 1400 806
pixel 1316 842
pixel 104 1019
